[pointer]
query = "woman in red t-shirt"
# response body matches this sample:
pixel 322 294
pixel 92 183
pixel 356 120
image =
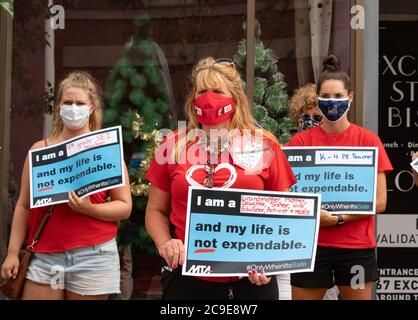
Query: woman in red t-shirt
pixel 216 101
pixel 346 243
pixel 76 256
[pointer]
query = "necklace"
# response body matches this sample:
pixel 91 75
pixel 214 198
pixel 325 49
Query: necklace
pixel 212 146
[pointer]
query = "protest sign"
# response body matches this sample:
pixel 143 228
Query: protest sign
pixel 414 165
pixel 231 231
pixel 345 176
pixel 89 163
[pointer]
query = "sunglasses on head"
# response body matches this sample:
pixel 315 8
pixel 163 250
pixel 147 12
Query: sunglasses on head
pixel 225 61
pixel 315 117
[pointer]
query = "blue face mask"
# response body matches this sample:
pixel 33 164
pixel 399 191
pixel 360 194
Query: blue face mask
pixel 333 109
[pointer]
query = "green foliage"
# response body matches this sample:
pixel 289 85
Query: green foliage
pixel 142 21
pixel 138 81
pixel 260 113
pixel 271 102
pixel 135 86
pixel 110 115
pixel 127 119
pixel 260 85
pixel 7 5
pixel 137 236
pixel 146 48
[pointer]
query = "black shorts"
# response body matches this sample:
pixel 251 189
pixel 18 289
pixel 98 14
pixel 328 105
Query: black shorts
pixel 335 266
pixel 178 287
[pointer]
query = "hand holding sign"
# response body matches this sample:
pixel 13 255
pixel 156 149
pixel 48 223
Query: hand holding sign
pixel 258 279
pixel 85 164
pixel 80 205
pixel 327 219
pixel 173 252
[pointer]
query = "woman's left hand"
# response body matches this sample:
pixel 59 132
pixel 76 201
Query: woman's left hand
pixel 79 205
pixel 258 278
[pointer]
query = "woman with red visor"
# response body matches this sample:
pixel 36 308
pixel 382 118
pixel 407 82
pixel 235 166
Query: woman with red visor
pixel 218 110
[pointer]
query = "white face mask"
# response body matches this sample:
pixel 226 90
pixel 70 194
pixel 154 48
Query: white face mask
pixel 74 116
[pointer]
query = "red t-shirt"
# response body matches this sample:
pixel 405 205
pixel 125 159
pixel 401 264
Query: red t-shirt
pixel 355 234
pixel 172 178
pixel 67 229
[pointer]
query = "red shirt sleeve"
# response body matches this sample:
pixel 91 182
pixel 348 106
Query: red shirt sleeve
pixel 383 164
pixel 158 173
pixel 280 173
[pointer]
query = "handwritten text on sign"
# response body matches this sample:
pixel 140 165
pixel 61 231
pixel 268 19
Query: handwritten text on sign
pixel 275 205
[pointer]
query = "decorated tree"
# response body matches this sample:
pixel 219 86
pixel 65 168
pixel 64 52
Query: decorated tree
pixel 137 97
pixel 271 102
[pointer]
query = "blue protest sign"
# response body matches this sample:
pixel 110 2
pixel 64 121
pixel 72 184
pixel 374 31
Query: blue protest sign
pixel 231 231
pixel 344 176
pixel 87 164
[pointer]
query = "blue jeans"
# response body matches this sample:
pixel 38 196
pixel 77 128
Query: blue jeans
pixel 87 271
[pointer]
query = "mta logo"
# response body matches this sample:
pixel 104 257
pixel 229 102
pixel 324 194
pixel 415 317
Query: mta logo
pixel 42 202
pixel 200 269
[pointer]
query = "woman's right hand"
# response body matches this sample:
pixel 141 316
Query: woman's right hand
pixel 173 252
pixel 10 267
pixel 327 219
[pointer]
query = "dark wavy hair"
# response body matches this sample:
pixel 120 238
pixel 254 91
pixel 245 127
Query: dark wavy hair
pixel 332 71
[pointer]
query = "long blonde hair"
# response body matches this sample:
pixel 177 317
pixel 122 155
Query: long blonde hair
pixel 84 81
pixel 206 74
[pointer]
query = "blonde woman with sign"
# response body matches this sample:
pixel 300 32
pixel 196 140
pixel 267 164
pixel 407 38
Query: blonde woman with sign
pixel 76 256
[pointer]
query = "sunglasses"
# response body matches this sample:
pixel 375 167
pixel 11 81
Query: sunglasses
pixel 315 117
pixel 225 61
pixel 208 181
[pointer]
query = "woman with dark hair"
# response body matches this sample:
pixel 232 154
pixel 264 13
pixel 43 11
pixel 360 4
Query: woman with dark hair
pixel 346 240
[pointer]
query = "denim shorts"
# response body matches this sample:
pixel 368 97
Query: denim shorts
pixel 85 271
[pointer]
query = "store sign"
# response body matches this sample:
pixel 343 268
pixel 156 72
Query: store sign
pixel 397 231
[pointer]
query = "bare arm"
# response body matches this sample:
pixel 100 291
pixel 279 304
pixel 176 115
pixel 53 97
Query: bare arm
pixel 119 208
pixel 158 226
pixel 19 225
pixel 381 199
pixel 20 214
